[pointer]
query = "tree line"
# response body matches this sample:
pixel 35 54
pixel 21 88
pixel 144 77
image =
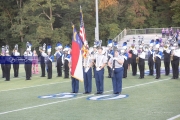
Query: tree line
pixel 49 21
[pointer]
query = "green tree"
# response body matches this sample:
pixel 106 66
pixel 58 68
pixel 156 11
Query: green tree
pixel 175 8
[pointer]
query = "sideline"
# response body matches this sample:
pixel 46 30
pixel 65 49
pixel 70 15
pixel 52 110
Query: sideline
pixel 2 113
pixel 173 118
pixel 34 86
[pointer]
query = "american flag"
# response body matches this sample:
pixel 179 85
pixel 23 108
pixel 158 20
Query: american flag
pixel 82 33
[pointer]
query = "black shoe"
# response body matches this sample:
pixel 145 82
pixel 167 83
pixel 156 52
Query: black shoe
pixel 173 78
pixel 101 93
pixel 85 93
pixel 43 76
pixel 59 76
pixel 157 78
pixel 97 93
pixel 108 76
pixel 72 92
pixel 140 77
pixel 28 79
pixel 7 80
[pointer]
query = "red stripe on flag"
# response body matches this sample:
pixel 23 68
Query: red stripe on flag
pixel 75 56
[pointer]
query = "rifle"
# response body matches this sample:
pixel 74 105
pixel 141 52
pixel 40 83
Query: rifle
pixel 113 66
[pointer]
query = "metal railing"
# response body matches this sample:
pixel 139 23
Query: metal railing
pixel 140 31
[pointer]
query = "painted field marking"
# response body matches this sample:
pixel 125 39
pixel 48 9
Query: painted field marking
pixel 34 86
pixel 173 118
pixel 2 113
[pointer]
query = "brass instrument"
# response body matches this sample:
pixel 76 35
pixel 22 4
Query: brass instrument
pixel 137 60
pixel 154 57
pixel 165 47
pixel 171 56
pixel 146 48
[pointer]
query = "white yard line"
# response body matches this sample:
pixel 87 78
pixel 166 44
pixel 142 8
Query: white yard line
pixel 34 86
pixel 173 118
pixel 2 113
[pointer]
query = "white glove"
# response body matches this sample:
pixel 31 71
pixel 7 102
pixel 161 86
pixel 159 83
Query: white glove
pixel 114 58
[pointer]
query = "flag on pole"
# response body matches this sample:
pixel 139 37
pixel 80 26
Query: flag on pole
pixel 82 34
pixel 76 60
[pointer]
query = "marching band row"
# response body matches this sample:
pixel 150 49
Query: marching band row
pixel 116 59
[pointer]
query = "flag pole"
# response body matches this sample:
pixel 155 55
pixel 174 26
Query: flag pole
pixel 97 22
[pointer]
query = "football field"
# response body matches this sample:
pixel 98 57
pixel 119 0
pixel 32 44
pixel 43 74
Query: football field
pixel 44 99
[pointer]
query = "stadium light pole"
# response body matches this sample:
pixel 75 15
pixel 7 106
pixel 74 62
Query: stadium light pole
pixel 97 22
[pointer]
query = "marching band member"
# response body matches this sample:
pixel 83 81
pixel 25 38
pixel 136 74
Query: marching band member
pixel 150 58
pixel 87 68
pixel 99 73
pixel 7 64
pixel 166 53
pixel 28 62
pixel 16 64
pixel 110 54
pixel 133 51
pixel 157 60
pixel 141 61
pixel 42 60
pixel 58 55
pixel 49 60
pixel 66 57
pixel 3 53
pixel 175 54
pixel 116 63
pixel 129 58
pixel 125 56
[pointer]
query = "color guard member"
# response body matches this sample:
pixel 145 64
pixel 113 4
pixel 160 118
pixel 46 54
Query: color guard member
pixel 116 63
pixel 99 73
pixel 87 68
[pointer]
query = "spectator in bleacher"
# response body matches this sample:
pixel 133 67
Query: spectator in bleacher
pixel 177 31
pixel 171 32
pixel 163 33
pixel 167 33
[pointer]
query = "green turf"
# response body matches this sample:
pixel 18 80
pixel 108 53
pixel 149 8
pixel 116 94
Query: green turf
pixel 149 99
